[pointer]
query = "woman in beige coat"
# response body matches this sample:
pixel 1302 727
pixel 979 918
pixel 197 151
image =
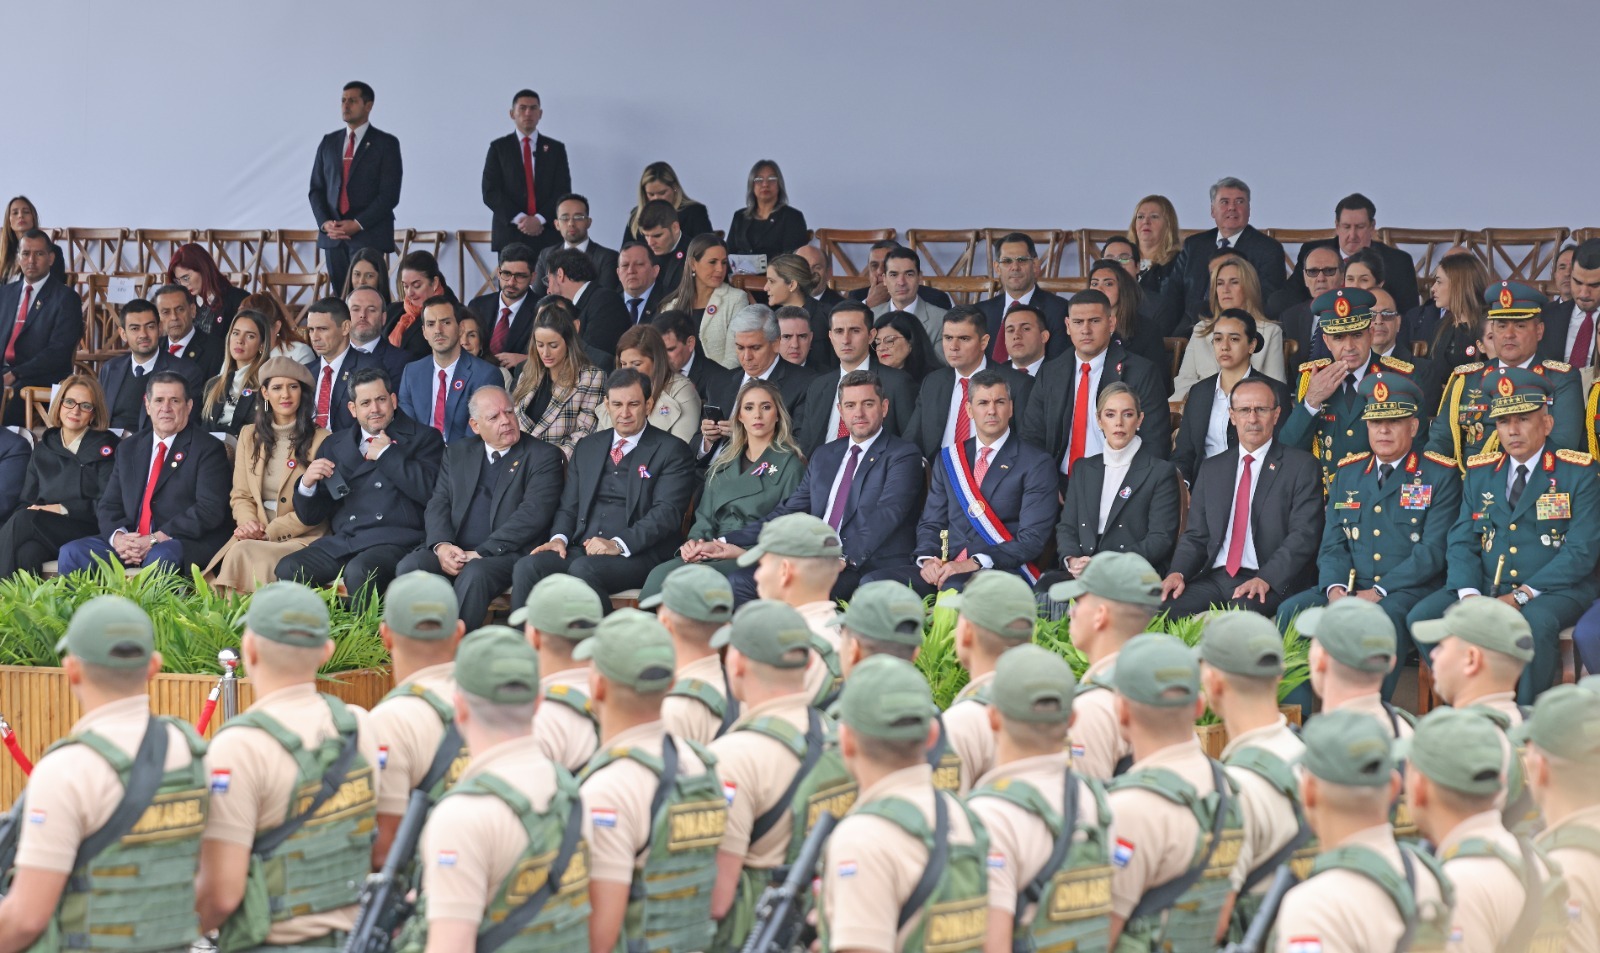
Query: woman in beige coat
pixel 708 297
pixel 677 404
pixel 272 453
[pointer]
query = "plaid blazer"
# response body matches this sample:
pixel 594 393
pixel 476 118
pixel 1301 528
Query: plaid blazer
pixel 570 415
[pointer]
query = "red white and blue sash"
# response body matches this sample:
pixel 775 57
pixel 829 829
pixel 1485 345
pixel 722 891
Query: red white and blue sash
pixel 979 513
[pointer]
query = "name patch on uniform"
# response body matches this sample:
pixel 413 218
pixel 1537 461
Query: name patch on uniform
pixel 529 877
pixel 1122 852
pixel 1416 496
pixel 696 825
pixel 1554 506
pixel 603 817
pixel 947 776
pixel 837 800
pixel 170 816
pixel 1226 856
pixel 355 796
pixel 220 781
pixel 958 925
pixel 1079 894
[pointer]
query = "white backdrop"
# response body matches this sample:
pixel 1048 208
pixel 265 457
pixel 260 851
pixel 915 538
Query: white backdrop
pixel 1054 113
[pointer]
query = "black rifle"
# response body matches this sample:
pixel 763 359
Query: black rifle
pixel 383 898
pixel 1256 936
pixel 780 913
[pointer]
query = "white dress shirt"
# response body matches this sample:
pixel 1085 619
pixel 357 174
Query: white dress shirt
pixel 1217 426
pixel 334 362
pixel 1117 464
pixel 1258 463
pixel 361 134
pixel 1032 370
pixel 182 344
pixel 1093 440
pixel 1572 332
pixel 764 375
pixel 983 560
pixel 954 410
pixel 833 413
pixel 838 477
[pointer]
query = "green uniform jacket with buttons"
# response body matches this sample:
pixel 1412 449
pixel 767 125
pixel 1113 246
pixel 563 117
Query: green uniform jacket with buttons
pixel 733 499
pixel 1550 539
pixel 1463 429
pixel 1337 430
pixel 1395 536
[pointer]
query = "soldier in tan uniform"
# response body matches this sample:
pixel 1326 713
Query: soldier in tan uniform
pixel 1352 648
pixel 694 602
pixel 561 612
pixel 882 618
pixel 880 854
pixel 1029 714
pixel 421 629
pixel 1563 763
pixel 491 843
pixel 74 790
pixel 1347 782
pixel 998 612
pixel 798 558
pixel 256 777
pixel 1112 601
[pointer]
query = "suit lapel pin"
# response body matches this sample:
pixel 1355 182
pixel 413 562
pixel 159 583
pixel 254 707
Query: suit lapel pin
pixel 644 474
pixel 1272 466
pixel 1125 492
pixel 291 463
pixel 177 456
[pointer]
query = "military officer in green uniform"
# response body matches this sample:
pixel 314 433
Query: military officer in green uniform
pixel 1463 428
pixel 1527 533
pixel 1326 418
pixel 1389 516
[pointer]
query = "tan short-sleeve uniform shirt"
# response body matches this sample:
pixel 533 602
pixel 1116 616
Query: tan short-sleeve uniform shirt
pixel 564 735
pixel 1273 814
pixel 1341 911
pixel 408 732
pixel 755 770
pixel 966 727
pixel 1582 872
pixel 1489 895
pixel 688 717
pixel 618 798
pixel 1097 742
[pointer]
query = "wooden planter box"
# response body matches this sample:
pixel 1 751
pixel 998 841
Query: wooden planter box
pixel 1213 738
pixel 40 707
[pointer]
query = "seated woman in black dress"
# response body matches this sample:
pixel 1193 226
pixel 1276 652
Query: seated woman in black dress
pixel 899 340
pixel 768 224
pixel 68 471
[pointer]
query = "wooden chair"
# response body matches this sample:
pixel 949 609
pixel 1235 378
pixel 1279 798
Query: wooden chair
pixel 1174 420
pixel 963 290
pixel 35 407
pixel 1426 245
pixel 1091 241
pixel 473 246
pixel 298 253
pixel 431 241
pixel 1526 254
pixel 296 291
pixel 101 340
pixel 932 244
pixel 1292 238
pixel 238 250
pixel 1582 235
pixel 844 284
pixel 1065 287
pixel 1175 348
pixel 745 283
pixel 836 244
pixel 156 246
pixel 1419 348
pixel 1050 242
pixel 96 250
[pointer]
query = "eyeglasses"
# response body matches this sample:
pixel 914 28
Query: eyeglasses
pixel 514 275
pixel 572 218
pixel 1124 259
pixel 1019 260
pixel 1253 411
pixel 67 403
pixel 1386 314
pixel 1322 272
pixel 764 180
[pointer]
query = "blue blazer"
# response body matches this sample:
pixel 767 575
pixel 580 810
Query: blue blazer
pixel 416 392
pixel 1021 489
pixel 880 518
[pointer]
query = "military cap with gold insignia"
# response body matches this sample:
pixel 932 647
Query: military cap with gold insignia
pixel 1389 396
pixel 1516 391
pixel 1513 301
pixel 1343 310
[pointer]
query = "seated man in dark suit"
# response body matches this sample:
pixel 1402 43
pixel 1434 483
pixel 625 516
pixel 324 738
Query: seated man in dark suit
pixel 41 322
pixel 366 333
pixel 901 274
pixel 679 334
pixel 623 503
pixel 821 274
pixel 370 484
pixel 1182 300
pixel 513 160
pixel 1027 338
pixel 1569 326
pixel 850 336
pixel 123 377
pixel 658 226
pixel 941 416
pixel 167 501
pixel 755 340
pixel 328 331
pixel 1320 271
pixel 572 224
pixel 991 504
pixel 179 336
pixel 355 185
pixel 867 486
pixel 495 497
pixel 1255 518
pixel 600 310
pixel 506 315
pixel 636 276
pixel 435 389
pixel 1355 221
pixel 795 336
pixel 878 290
pixel 1016 262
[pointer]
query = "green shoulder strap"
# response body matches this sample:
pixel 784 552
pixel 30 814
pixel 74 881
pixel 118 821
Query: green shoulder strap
pixel 1167 784
pixel 1571 837
pixel 573 699
pixel 808 756
pixel 440 707
pixel 1276 772
pixel 143 776
pixel 701 691
pixel 345 724
pixel 904 815
pixel 565 800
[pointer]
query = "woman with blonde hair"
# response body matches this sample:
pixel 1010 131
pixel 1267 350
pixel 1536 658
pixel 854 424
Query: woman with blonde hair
pixel 559 390
pixel 659 181
pixel 1234 285
pixel 22 216
pixel 226 404
pixel 677 403
pixel 1156 237
pixel 708 298
pixel 284 339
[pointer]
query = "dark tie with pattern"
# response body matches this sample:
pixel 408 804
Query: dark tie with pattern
pixel 1519 484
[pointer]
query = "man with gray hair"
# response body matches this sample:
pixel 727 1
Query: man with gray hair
pixel 1230 209
pixel 754 330
pixel 497 493
pixel 367 314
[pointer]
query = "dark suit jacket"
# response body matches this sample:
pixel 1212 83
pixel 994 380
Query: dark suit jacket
pixel 75 480
pixel 204 351
pixel 338 406
pixel 49 338
pixel 606 362
pixel 505 188
pixel 1399 273
pixel 387 496
pixel 933 296
pixel 792 381
pixel 487 308
pixel 693 220
pixel 374 188
pixel 190 502
pixel 1055 320
pixel 702 372
pixel 1285 518
pixel 656 503
pixel 14 454
pixel 1143 518
pixel 926 426
pixel 115 371
pixel 822 395
pixel 392 359
pixel 416 391
pixel 671 265
pixel 1047 421
pixel 525 495
pixel 1021 489
pixel 1194 265
pixel 880 517
pixel 604 316
pixel 647 310
pixel 1189 447
pixel 1557 318
pixel 605 263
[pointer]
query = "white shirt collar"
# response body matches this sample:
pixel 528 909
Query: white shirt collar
pixel 910 308
pixel 334 362
pixel 532 137
pixel 1032 370
pixel 147 365
pixel 515 306
pixel 628 443
pixel 1258 454
pixel 1531 463
pixel 866 444
pixel 1025 299
pixel 764 374
pixel 582 246
pixel 1096 363
pixel 489 452
pixel 160 441
pixel 578 295
pixel 183 342
pixel 450 369
pixel 994 448
pixel 983 364
pixel 360 131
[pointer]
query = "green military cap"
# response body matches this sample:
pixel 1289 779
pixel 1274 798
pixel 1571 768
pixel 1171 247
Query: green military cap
pixel 1389 396
pixel 1515 390
pixel 288 613
pixel 885 610
pixel 695 591
pixel 1157 669
pixel 1457 748
pixel 110 631
pixel 1242 643
pixel 795 534
pixel 1486 623
pixel 631 648
pixel 1343 310
pixel 1348 748
pixel 1117 577
pixel 1033 684
pixel 1513 301
pixel 562 605
pixel 418 599
pixel 887 698
pixel 999 602
pixel 497 664
pixel 769 632
pixel 1566 721
pixel 1354 631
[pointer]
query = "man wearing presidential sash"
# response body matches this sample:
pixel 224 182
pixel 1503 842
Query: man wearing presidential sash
pixel 992 502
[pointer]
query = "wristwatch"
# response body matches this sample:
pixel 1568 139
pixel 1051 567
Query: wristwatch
pixel 1521 596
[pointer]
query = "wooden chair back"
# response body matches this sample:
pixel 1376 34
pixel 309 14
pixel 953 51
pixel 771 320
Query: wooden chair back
pixel 297 291
pixel 944 251
pixel 844 284
pixel 472 246
pixel 35 408
pixel 1175 349
pixel 968 290
pixel 1091 242
pixel 101 339
pixel 238 250
pixel 298 253
pixel 1292 238
pixel 1049 242
pixel 838 244
pixel 97 250
pixel 156 246
pixel 1581 235
pixel 1065 287
pixel 1526 254
pixel 1425 245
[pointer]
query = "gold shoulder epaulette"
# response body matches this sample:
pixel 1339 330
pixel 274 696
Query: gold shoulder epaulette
pixel 1562 366
pixel 1404 367
pixel 1574 456
pixel 1354 457
pixel 1437 457
pixel 1468 368
pixel 1483 459
pixel 1314 365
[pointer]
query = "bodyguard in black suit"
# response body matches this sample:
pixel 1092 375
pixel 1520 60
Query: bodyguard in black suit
pixel 354 209
pixel 601 315
pixel 937 414
pixel 572 224
pixel 1017 264
pixel 850 337
pixel 513 161
pixel 1189 446
pixel 623 504
pixel 39 352
pixel 494 499
pixel 370 484
pixel 180 337
pixel 328 330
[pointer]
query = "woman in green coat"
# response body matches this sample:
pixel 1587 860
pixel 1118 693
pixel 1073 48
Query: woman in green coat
pixel 756 469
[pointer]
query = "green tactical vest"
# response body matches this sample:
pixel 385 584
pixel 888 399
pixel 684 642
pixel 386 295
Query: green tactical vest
pixel 944 761
pixel 137 894
pixel 669 901
pixel 1426 929
pixel 1542 926
pixel 447 715
pixel 1520 815
pixel 1300 853
pixel 1074 900
pixel 708 695
pixel 562 923
pixel 323 863
pixel 1405 828
pixel 1188 922
pixel 828 693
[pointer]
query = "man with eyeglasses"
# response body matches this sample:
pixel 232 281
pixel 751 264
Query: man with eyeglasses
pixel 1016 264
pixel 572 223
pixel 524 176
pixel 506 316
pixel 1320 272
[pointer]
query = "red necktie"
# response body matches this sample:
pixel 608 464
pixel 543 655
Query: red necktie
pixel 438 402
pixel 324 396
pixel 150 488
pixel 502 330
pixel 1580 347
pixel 1080 419
pixel 1000 352
pixel 963 419
pixel 1241 519
pixel 344 182
pixel 616 452
pixel 843 431
pixel 982 467
pixel 175 349
pixel 527 174
pixel 22 318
